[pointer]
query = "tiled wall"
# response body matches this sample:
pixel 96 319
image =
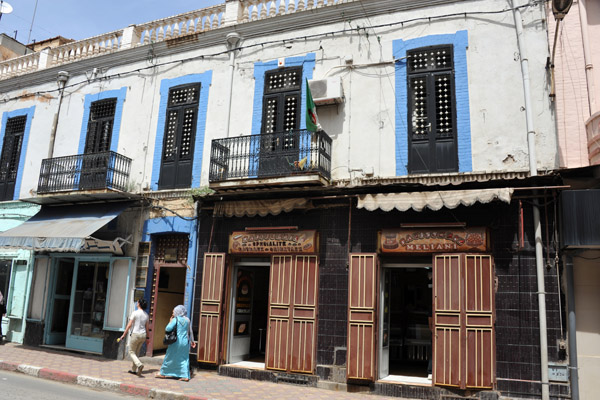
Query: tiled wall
pixel 517 326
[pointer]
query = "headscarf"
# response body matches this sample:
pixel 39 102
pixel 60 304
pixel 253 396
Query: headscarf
pixel 179 311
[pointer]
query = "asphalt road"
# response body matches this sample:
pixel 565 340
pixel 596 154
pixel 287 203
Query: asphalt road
pixel 17 386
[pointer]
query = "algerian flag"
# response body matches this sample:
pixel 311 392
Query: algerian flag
pixel 312 121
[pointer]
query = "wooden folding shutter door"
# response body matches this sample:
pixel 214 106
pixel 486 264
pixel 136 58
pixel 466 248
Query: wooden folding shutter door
pixel 213 277
pixel 362 317
pixel 304 314
pixel 463 306
pixel 293 293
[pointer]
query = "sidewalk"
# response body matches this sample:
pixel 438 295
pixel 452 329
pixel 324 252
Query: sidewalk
pixel 112 375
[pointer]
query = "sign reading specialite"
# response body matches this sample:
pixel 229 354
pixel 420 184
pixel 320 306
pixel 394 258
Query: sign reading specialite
pixel 273 242
pixel 432 240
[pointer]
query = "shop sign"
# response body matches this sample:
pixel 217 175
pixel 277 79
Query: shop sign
pixel 432 240
pixel 296 242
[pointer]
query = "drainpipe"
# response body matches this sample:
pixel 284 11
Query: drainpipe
pixel 539 258
pixel 589 67
pixel 61 80
pixel 233 39
pixel 573 363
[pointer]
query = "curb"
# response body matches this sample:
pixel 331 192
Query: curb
pixel 95 383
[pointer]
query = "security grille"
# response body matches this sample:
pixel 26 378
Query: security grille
pixel 432 121
pixel 168 243
pixel 11 153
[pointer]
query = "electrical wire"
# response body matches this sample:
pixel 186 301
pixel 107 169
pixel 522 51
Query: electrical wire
pixel 358 29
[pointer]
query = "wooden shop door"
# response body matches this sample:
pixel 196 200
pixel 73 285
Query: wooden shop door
pixel 464 316
pixel 362 316
pixel 211 300
pixel 292 327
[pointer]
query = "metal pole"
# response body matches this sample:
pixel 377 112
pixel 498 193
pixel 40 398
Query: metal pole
pixel 233 39
pixel 537 226
pixel 572 332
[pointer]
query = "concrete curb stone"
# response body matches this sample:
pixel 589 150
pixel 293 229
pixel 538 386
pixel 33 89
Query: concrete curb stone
pixel 29 370
pixel 96 383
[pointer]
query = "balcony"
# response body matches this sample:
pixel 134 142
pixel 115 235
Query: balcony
pixel 300 157
pixel 107 170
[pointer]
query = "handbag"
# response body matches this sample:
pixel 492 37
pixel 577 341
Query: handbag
pixel 171 337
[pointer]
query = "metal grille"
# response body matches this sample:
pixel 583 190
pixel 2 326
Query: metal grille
pixel 103 109
pixel 418 93
pixel 184 95
pixel 286 79
pixel 443 105
pixel 431 59
pixel 170 135
pixel 240 157
pixel 107 170
pixel 179 242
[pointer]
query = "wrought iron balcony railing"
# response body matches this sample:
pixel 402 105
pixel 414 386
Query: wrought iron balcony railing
pixel 107 170
pixel 271 155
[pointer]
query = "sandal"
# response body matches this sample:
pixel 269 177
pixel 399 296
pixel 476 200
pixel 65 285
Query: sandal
pixel 184 379
pixel 159 376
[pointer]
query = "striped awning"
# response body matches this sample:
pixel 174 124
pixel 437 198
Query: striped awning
pixel 434 200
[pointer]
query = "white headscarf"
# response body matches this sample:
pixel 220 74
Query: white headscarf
pixel 180 311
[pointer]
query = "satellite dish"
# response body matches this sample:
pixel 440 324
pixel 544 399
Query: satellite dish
pixel 5 8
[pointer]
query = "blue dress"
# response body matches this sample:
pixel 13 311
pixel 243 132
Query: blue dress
pixel 177 360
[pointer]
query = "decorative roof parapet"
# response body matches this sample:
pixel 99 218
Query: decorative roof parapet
pixel 232 12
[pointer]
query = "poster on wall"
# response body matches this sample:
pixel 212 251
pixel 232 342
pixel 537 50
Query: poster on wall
pixel 294 242
pixel 428 240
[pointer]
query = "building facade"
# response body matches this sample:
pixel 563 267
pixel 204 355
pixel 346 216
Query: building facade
pixel 397 242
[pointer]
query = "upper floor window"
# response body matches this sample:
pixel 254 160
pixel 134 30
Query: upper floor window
pixel 100 126
pixel 432 142
pixel 11 154
pixel 281 100
pixel 178 142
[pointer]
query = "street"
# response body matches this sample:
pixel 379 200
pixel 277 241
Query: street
pixel 18 386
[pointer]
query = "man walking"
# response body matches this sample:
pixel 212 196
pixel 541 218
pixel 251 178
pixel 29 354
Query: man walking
pixel 139 321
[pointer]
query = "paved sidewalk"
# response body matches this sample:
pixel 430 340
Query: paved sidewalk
pixel 112 375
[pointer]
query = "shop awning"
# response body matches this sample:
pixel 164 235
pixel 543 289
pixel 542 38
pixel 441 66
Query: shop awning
pixel 433 200
pixel 61 228
pixel 263 208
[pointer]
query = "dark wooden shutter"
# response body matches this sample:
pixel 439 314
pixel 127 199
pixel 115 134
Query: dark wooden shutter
pixel 362 317
pixel 11 154
pixel 431 111
pixel 304 315
pixel 211 301
pixel 179 137
pixel 463 309
pixel 280 304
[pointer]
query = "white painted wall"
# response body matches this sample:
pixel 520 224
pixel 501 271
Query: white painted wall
pixel 363 128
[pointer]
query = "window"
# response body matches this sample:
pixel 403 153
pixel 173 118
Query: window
pixel 431 110
pixel 180 130
pixel 281 120
pixel 5 278
pixel 11 153
pixel 100 126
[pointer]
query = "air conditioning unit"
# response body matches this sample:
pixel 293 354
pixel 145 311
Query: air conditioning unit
pixel 327 91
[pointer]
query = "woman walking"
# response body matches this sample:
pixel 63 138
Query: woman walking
pixel 177 360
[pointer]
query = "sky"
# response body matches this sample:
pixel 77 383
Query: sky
pixel 80 19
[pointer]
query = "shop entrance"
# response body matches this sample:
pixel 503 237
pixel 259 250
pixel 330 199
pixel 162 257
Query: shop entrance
pixel 405 315
pixel 60 302
pixel 249 309
pixel 169 287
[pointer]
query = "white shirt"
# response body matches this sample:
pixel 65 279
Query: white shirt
pixel 139 318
